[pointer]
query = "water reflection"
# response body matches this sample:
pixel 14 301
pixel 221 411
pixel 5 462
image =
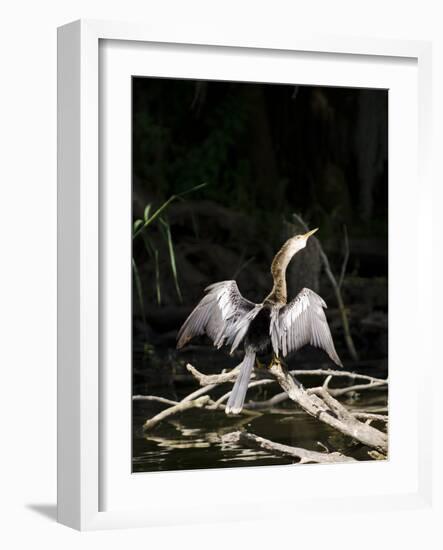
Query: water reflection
pixel 193 440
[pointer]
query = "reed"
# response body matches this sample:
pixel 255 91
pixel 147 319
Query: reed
pixel 139 230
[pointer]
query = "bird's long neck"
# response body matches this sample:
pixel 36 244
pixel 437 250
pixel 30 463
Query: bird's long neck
pixel 279 265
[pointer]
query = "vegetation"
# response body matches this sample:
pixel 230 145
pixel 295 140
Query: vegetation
pixel 264 152
pixel 140 225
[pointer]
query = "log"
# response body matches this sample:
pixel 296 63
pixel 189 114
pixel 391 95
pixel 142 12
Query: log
pixel 304 456
pixel 327 409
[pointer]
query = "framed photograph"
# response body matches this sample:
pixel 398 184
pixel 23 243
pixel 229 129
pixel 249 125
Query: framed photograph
pixel 240 223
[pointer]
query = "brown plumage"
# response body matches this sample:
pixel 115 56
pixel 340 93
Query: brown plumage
pixel 229 319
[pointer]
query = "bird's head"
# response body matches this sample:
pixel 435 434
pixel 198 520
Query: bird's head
pixel 298 242
pixel 287 252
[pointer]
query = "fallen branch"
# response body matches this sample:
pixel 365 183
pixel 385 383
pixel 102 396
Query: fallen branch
pixel 337 392
pixel 370 416
pixel 230 376
pixel 318 401
pixel 209 379
pixel 343 373
pixel 255 442
pixel 154 398
pixel 198 393
pixel 253 384
pixel 194 399
pixel 179 408
pixel 323 406
pixel 268 403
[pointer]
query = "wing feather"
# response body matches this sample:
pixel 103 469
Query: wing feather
pixel 302 322
pixel 223 314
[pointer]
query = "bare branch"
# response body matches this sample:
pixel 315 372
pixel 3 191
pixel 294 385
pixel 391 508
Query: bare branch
pixel 370 416
pixel 337 392
pixel 344 316
pixel 326 382
pixel 277 399
pixel 313 400
pixel 345 373
pixel 180 407
pixel 208 379
pixel 154 398
pixel 231 375
pixel 215 379
pixel 330 411
pixel 197 393
pixel 253 384
pixel 304 456
pixel 345 258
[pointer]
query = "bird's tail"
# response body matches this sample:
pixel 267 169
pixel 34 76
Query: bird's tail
pixel 238 393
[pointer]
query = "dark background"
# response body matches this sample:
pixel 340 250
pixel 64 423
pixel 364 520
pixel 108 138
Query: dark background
pixel 265 151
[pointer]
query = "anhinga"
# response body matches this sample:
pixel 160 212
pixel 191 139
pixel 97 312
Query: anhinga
pixel 229 318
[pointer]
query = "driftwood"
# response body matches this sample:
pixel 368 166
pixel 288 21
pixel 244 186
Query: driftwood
pixel 319 402
pixel 196 399
pixel 335 392
pixel 369 417
pixel 207 379
pixel 326 408
pixel 230 376
pixel 180 407
pixel 216 379
pixel 154 398
pixel 304 456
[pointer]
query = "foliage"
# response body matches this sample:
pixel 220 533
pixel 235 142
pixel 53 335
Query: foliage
pixel 139 230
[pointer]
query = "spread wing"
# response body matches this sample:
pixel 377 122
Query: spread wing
pixel 223 314
pixel 302 322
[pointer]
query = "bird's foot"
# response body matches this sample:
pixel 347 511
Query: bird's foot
pixel 279 362
pixel 276 361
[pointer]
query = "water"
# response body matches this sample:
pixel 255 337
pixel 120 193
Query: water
pixel 193 439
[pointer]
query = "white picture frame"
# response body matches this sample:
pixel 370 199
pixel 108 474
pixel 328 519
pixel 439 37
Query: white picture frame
pixel 83 402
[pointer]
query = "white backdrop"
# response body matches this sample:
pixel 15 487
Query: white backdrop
pixel 28 267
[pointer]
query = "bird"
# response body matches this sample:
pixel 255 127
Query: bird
pixel 273 325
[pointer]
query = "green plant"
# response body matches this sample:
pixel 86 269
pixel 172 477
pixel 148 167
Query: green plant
pixel 139 230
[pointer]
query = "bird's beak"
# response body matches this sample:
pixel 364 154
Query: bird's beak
pixel 309 233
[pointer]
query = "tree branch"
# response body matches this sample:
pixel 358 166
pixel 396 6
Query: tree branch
pixel 231 375
pixel 323 406
pixel 268 403
pixel 318 401
pixel 337 392
pixel 154 398
pixel 208 379
pixel 255 442
pixel 345 258
pixel 180 407
pixel 370 416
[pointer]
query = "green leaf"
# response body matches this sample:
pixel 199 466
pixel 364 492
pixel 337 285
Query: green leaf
pixel 157 278
pixel 137 226
pixel 153 254
pixel 168 238
pixel 159 210
pixel 146 212
pixel 139 289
